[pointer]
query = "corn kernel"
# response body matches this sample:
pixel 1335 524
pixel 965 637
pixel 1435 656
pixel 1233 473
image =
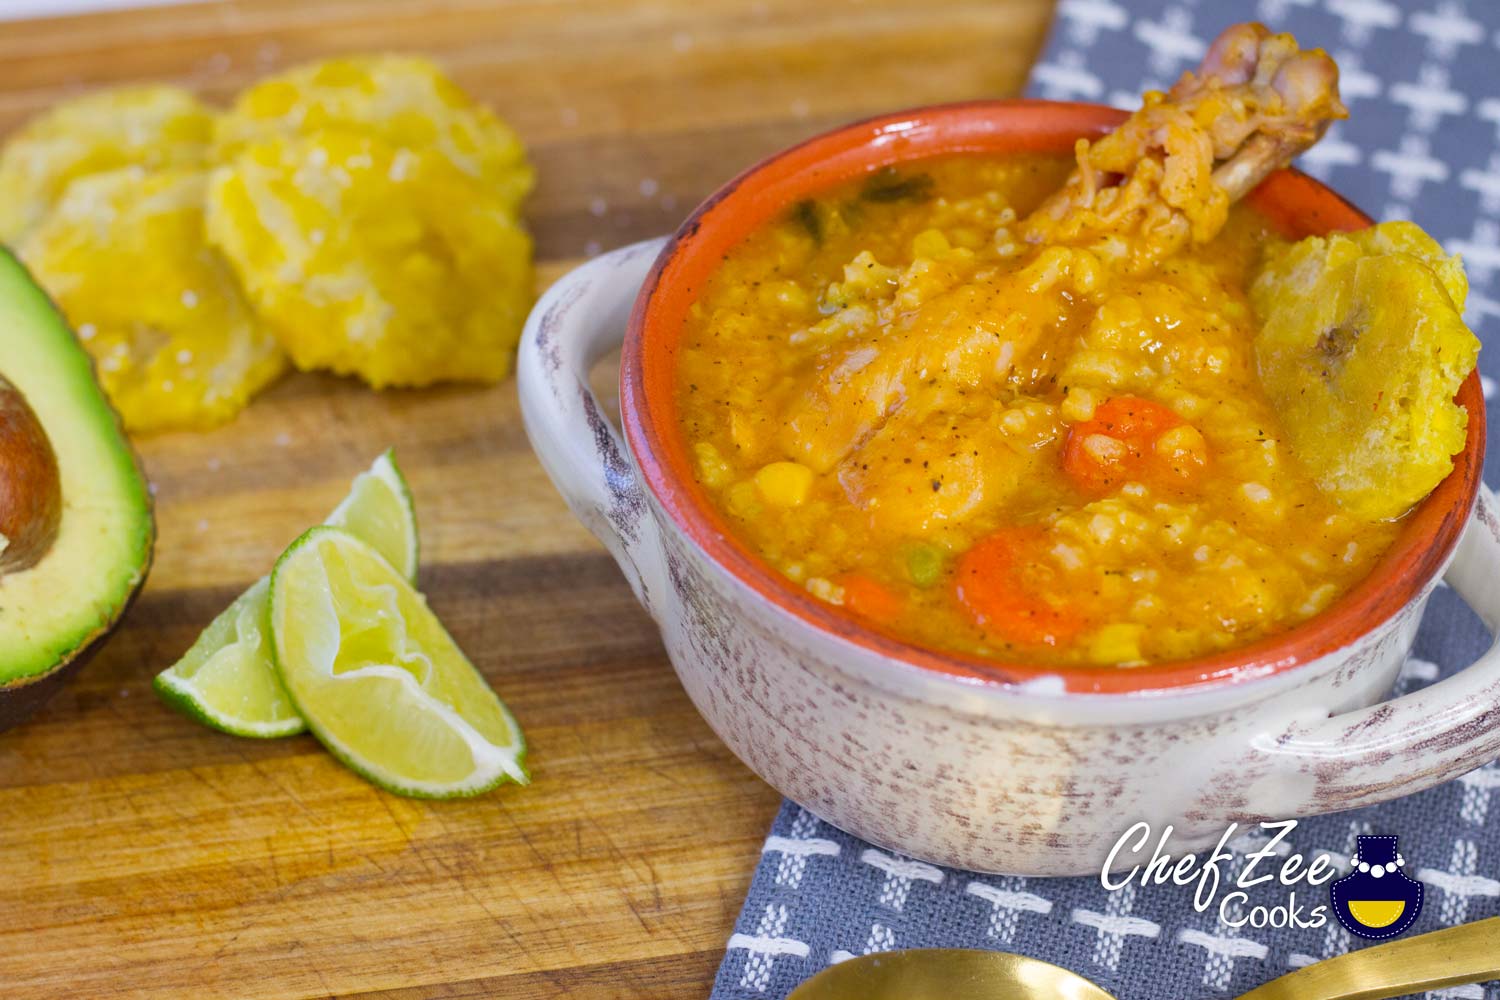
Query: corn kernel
pixel 1183 448
pixel 784 484
pixel 1117 643
pixel 929 243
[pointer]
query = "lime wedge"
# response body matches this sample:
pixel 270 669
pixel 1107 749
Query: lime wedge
pixel 379 510
pixel 226 679
pixel 379 680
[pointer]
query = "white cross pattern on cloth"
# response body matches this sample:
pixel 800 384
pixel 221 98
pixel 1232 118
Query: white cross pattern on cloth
pixel 1069 79
pixel 1274 11
pixel 796 849
pixel 1007 902
pixel 1086 18
pixel 1355 84
pixel 1447 28
pixel 1460 882
pixel 1479 788
pixel 1173 45
pixel 1481 251
pixel 900 873
pixel 764 945
pixel 1362 17
pixel 1486 182
pixel 1114 925
pixel 1224 943
pixel 1223 946
pixel 1410 167
pixel 881 938
pixel 1415 672
pixel 1468 991
pixel 1430 99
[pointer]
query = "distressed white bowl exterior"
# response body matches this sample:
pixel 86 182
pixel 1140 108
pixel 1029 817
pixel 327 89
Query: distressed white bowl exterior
pixel 1019 779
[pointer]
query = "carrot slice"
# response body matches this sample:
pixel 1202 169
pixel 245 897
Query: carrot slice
pixel 1134 418
pixel 869 599
pixel 1117 444
pixel 989 584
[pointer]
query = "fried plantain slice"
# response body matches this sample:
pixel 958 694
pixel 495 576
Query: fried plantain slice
pixel 368 259
pixel 404 101
pixel 151 126
pixel 172 337
pixel 1361 349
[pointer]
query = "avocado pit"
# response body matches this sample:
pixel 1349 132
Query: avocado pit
pixel 30 488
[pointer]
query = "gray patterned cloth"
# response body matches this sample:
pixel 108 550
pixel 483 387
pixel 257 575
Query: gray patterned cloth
pixel 1422 81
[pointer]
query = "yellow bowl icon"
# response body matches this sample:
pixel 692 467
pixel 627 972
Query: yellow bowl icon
pixel 1377 912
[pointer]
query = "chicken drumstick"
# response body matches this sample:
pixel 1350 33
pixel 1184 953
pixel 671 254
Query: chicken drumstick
pixel 1166 177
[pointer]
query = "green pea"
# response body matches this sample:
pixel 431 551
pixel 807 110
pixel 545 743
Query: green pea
pixel 924 564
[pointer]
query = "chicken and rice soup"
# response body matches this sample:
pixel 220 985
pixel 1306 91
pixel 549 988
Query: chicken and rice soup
pixel 1001 446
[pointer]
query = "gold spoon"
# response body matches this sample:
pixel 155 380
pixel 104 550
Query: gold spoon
pixel 1469 953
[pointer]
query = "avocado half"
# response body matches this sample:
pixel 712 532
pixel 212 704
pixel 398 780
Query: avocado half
pixel 76 527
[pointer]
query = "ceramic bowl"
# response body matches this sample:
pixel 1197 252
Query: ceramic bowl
pixel 994 767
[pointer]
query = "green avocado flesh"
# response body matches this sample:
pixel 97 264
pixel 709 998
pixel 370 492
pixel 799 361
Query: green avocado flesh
pixel 54 610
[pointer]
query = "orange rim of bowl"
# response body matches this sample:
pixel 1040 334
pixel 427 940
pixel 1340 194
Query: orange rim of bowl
pixel 1295 203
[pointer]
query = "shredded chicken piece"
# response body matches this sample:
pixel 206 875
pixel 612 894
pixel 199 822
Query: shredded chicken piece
pixel 1166 177
pixel 913 407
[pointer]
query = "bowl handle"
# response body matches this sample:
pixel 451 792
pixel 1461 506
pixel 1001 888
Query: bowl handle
pixel 1408 743
pixel 579 320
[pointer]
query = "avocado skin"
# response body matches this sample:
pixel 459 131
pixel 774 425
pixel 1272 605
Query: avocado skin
pixel 20 697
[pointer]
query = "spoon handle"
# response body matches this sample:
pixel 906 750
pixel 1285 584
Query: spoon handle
pixel 1469 953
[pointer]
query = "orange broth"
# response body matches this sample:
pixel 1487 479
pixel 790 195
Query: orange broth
pixel 1022 452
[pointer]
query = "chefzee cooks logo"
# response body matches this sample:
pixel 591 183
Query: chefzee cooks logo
pixel 1375 900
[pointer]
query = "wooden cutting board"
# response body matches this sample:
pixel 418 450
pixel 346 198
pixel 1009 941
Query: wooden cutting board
pixel 142 855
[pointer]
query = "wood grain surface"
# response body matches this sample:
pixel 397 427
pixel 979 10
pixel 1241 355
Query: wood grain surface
pixel 142 855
